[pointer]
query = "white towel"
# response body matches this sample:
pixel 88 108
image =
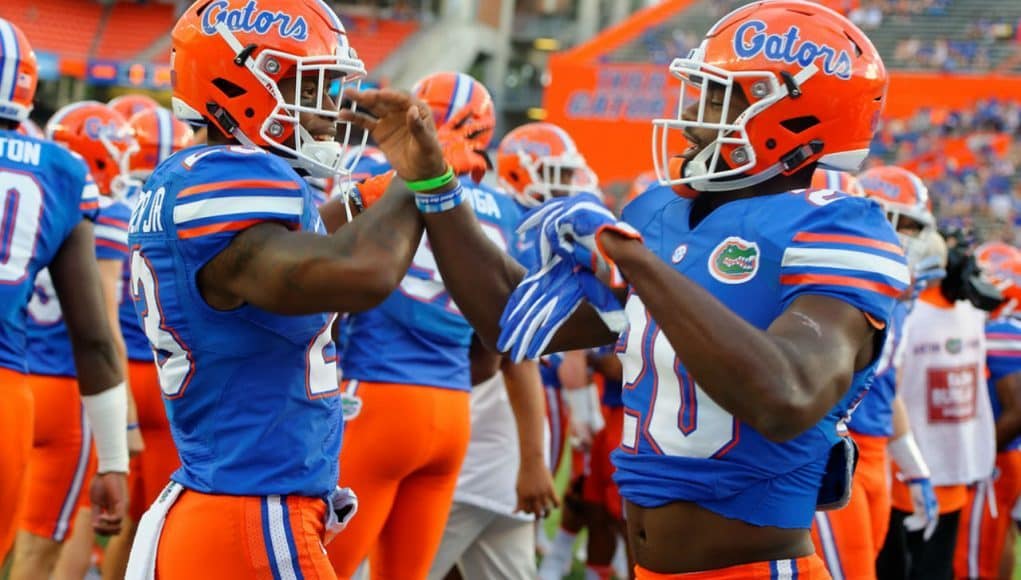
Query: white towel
pixel 142 562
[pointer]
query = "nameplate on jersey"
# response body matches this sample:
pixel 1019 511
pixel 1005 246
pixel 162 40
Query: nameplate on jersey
pixel 21 150
pixel 484 203
pixel 148 215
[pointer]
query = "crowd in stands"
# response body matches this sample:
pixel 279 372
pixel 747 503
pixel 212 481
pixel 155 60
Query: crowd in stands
pixel 967 158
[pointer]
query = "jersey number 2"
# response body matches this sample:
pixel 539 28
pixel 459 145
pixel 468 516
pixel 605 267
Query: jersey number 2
pixel 682 420
pixel 174 362
pixel 21 202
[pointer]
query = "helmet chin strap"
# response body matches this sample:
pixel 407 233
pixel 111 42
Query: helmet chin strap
pixel 696 168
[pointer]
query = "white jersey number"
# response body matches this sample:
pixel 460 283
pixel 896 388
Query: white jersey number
pixel 423 281
pixel 682 420
pixel 174 363
pixel 44 308
pixel 21 203
pixel 321 367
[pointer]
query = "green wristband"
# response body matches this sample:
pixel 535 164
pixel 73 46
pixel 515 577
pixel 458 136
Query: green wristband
pixel 432 183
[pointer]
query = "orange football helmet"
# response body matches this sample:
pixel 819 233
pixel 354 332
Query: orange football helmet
pixel 229 57
pixel 900 192
pixel 19 73
pixel 458 97
pixel 129 105
pixel 30 129
pixel 101 136
pixel 838 181
pixel 539 161
pixel 159 135
pixel 994 256
pixel 1002 263
pixel 814 84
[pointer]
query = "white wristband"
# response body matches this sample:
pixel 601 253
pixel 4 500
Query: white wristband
pixel 909 458
pixel 108 416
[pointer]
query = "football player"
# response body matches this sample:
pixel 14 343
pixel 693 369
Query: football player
pixel 985 539
pixel 235 284
pixel 941 383
pixel 419 391
pixel 756 308
pixel 61 462
pixel 47 205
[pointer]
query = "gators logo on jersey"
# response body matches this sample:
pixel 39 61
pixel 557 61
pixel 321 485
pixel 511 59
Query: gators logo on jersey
pixel 735 260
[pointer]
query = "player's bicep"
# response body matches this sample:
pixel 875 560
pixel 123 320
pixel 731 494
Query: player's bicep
pixel 248 270
pixel 827 340
pixel 111 273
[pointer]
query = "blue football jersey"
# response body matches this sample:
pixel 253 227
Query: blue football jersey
pixel 45 191
pixel 1003 358
pixel 251 396
pixel 135 341
pixel 874 415
pixel 424 335
pixel 756 256
pixel 49 348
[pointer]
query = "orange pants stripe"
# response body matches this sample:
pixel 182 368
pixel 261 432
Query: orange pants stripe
pixel 243 538
pixel 599 487
pixel 849 539
pixel 401 455
pixel 62 460
pixel 16 430
pixel 980 536
pixel 805 568
pixel 151 469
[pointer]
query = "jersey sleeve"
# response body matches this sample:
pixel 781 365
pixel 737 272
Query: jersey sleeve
pixel 111 230
pixel 89 204
pixel 844 249
pixel 228 190
pixel 1003 354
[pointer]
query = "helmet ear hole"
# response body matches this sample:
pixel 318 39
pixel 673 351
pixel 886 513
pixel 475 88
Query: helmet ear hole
pixel 799 124
pixel 229 89
pixel 101 165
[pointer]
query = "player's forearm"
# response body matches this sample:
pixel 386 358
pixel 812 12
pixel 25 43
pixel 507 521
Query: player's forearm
pixel 479 275
pixel 524 391
pixel 352 270
pixel 901 422
pixel 97 363
pixel 743 369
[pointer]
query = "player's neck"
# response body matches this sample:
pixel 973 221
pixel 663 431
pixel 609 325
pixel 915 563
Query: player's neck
pixel 707 202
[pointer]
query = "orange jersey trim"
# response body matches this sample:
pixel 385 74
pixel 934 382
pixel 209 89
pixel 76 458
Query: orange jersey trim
pixel 834 280
pixel 846 239
pixel 238 184
pixel 194 232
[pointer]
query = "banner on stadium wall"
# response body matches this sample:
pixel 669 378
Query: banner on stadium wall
pixel 126 74
pixel 608 109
